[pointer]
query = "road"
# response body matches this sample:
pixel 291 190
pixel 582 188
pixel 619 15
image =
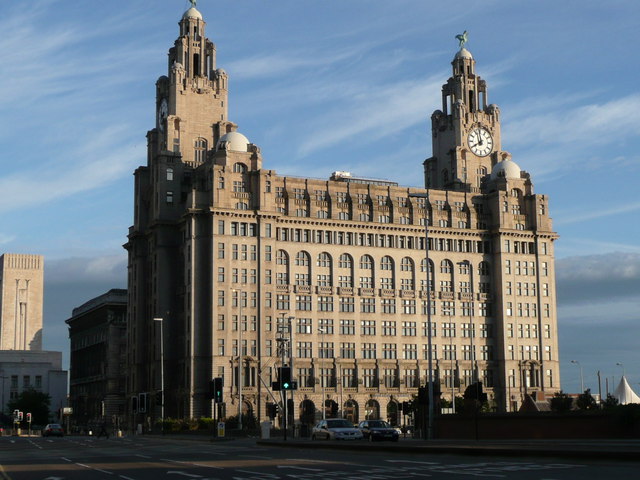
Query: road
pixel 153 458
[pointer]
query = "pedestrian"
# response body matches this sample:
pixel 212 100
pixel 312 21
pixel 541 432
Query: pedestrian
pixel 103 431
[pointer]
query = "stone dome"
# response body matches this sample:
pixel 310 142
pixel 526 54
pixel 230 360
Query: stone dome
pixel 464 53
pixel 192 13
pixel 505 169
pixel 234 141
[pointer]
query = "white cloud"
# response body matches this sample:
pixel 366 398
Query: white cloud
pixel 582 216
pixel 76 174
pixel 384 110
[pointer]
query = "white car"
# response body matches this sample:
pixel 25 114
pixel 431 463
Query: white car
pixel 335 429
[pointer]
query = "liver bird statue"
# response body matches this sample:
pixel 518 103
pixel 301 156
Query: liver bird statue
pixel 462 38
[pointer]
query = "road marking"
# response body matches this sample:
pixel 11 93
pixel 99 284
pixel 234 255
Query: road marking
pixel 302 468
pixel 126 478
pixel 412 461
pixel 184 474
pixel 142 456
pixel 103 471
pixel 263 475
pixel 65 459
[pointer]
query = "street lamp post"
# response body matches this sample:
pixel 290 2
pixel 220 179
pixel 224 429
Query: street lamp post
pixel 161 320
pixel 581 375
pixel 429 333
pixel 322 332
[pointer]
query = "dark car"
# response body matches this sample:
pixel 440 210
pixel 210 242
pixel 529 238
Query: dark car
pixel 53 429
pixel 378 430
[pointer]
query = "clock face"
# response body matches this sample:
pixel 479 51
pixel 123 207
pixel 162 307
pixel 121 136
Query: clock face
pixel 163 110
pixel 480 141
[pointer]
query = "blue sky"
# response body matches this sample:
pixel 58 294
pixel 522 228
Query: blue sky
pixel 323 86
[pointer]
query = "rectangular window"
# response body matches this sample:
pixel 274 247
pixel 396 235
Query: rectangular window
pixel 368 327
pixel 368 305
pixel 389 351
pixel 389 329
pixel 347 304
pixel 304 325
pixel 369 350
pixel 409 329
pixel 347 327
pixel 325 304
pixel 303 302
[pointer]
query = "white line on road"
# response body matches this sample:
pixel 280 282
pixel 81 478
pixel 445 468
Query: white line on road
pixel 184 474
pixel 142 456
pixel 126 478
pixel 412 461
pixel 103 471
pixel 264 475
pixel 65 459
pixel 302 468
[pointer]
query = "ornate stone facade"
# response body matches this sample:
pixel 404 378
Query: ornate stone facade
pixel 218 241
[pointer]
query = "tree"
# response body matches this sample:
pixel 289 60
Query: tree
pixel 34 402
pixel 561 402
pixel 586 401
pixel 610 402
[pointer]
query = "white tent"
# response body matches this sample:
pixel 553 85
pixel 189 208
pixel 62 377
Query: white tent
pixel 625 394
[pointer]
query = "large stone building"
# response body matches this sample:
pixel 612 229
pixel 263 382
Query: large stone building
pixel 97 332
pixel 21 287
pixel 220 243
pixel 23 363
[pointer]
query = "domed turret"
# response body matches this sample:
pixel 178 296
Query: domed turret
pixel 192 13
pixel 233 141
pixel 463 53
pixel 505 169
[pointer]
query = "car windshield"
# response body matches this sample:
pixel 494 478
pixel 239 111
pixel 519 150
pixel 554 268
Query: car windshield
pixel 379 424
pixel 54 425
pixel 339 424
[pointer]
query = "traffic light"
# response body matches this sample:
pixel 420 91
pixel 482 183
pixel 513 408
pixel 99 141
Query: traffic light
pixel 272 410
pixel 159 398
pixel 19 416
pixel 29 417
pixel 284 376
pixel 218 384
pixel 142 403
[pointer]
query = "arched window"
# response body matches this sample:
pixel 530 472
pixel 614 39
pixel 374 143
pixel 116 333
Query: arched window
pixel 282 258
pixel 239 168
pixel 242 206
pixel 169 174
pixel 303 259
pixel 324 260
pixel 445 266
pixel 200 150
pixel 366 262
pixel 386 263
pixel 345 261
pixel 406 265
pixel 515 192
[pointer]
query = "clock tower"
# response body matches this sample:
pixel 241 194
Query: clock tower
pixel 465 133
pixel 191 101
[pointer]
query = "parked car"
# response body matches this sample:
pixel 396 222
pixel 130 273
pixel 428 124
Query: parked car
pixel 378 430
pixel 53 429
pixel 335 429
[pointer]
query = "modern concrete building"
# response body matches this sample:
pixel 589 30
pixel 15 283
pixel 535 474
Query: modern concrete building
pixel 42 371
pixel 225 252
pixel 23 363
pixel 21 290
pixel 97 332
